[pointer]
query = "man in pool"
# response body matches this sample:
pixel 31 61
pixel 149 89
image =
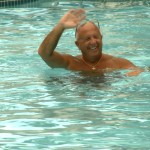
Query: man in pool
pixel 89 42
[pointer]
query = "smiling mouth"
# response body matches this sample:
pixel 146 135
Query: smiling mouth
pixel 93 48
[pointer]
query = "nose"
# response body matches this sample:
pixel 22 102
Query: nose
pixel 92 40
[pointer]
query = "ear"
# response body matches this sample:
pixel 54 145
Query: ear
pixel 77 43
pixel 101 34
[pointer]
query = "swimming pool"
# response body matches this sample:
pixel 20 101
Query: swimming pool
pixel 44 108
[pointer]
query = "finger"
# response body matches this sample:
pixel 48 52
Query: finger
pixel 81 17
pixel 72 11
pixel 79 12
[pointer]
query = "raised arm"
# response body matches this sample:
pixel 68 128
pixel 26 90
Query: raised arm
pixel 46 50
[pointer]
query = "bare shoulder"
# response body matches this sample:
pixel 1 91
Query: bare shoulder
pixel 120 62
pixel 72 59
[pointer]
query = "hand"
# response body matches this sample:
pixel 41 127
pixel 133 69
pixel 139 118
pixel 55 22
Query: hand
pixel 72 18
pixel 134 72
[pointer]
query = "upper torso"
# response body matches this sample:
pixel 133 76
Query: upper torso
pixel 106 62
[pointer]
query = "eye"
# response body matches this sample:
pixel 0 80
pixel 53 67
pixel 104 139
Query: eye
pixel 88 38
pixel 95 36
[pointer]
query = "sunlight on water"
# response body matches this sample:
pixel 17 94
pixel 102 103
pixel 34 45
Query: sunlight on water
pixel 44 108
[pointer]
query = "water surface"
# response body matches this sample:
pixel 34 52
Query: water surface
pixel 44 108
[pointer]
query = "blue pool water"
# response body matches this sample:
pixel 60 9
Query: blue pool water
pixel 44 108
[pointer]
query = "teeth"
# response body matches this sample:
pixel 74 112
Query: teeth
pixel 93 48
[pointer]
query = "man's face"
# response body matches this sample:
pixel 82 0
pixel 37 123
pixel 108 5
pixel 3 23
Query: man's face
pixel 89 40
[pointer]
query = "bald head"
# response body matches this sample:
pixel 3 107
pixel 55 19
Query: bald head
pixel 84 27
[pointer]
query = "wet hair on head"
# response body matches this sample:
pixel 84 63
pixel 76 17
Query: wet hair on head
pixel 82 23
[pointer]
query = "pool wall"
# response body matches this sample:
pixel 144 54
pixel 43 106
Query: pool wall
pixel 55 3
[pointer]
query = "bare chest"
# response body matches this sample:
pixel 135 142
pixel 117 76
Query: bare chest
pixel 80 65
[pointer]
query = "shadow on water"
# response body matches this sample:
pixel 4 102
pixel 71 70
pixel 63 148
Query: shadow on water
pixel 65 84
pixel 91 79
